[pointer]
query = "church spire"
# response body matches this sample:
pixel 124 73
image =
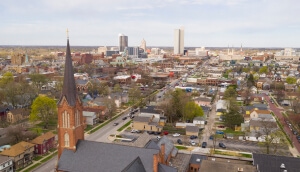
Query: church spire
pixel 69 86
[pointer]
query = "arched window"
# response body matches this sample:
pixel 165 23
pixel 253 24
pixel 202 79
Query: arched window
pixel 66 119
pixel 67 140
pixel 77 118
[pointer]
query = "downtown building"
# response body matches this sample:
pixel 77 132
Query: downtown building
pixel 123 42
pixel 179 41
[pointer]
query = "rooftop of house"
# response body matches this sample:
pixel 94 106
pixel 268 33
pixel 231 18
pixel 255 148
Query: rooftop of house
pixel 17 149
pixel 3 159
pixel 40 139
pixel 271 163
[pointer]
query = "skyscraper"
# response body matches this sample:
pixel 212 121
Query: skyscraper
pixel 143 45
pixel 179 41
pixel 123 42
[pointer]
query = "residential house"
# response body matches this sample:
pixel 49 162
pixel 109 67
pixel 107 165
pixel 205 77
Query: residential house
pixel 270 163
pixel 16 115
pixel 260 126
pixel 201 101
pixel 257 97
pixel 146 123
pixel 195 162
pixel 263 114
pixel 100 111
pixel 289 87
pixel 90 117
pixel 221 106
pixel 6 164
pixel 199 121
pixel 21 154
pixel 82 85
pixel 192 130
pixel 44 143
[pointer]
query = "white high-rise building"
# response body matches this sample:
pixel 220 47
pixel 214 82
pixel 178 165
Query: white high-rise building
pixel 179 41
pixel 143 45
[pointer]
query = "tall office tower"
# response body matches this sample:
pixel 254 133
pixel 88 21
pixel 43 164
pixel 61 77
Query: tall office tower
pixel 179 41
pixel 143 45
pixel 123 42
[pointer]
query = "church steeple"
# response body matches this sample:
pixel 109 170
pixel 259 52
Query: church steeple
pixel 69 86
pixel 70 125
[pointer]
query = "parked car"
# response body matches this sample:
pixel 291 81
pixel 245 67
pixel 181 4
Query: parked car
pixel 166 132
pixel 204 144
pixel 116 123
pixel 193 137
pixel 222 145
pixel 193 143
pixel 134 131
pixel 150 132
pixel 157 133
pixel 179 141
pixel 176 134
pixel 221 126
pixel 211 137
pixel 219 132
pixel 158 137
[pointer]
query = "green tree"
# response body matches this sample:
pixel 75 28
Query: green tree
pixel 192 110
pixel 263 69
pixel 38 80
pixel 250 80
pixel 44 109
pixel 291 80
pixel 11 93
pixel 233 117
pixel 6 78
pixel 111 106
pixel 117 88
pixel 246 69
pixel 230 92
pixel 134 94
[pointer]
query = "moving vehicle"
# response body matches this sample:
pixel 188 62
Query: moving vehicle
pixel 116 123
pixel 124 118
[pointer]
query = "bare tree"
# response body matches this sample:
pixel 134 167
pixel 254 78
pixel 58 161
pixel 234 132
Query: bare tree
pixel 15 132
pixel 272 136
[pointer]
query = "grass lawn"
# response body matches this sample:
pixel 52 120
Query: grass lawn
pixel 181 147
pixel 232 153
pixel 89 127
pixel 124 126
pixel 237 133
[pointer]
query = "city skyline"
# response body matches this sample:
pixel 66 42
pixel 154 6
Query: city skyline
pixel 208 23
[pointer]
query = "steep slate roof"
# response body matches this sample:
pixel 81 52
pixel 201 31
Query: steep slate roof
pixel 152 145
pixel 169 146
pixel 194 158
pixel 271 163
pixel 4 159
pixel 134 166
pixel 165 168
pixel 17 149
pixel 69 86
pixel 91 156
pixel 42 138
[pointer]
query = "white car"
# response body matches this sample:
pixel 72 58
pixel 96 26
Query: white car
pixel 176 134
pixel 193 143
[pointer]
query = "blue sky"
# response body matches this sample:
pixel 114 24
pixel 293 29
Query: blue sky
pixel 218 23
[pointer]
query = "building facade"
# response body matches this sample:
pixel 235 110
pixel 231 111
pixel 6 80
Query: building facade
pixel 70 119
pixel 178 41
pixel 123 42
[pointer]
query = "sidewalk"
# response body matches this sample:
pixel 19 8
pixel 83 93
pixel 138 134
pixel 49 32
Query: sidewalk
pixel 36 164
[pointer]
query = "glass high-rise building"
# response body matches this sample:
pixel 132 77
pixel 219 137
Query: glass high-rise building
pixel 123 42
pixel 179 41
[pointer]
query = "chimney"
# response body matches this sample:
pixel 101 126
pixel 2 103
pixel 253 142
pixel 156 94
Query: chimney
pixel 163 151
pixel 155 163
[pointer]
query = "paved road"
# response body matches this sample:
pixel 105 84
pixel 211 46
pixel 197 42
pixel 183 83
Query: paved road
pixel 277 111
